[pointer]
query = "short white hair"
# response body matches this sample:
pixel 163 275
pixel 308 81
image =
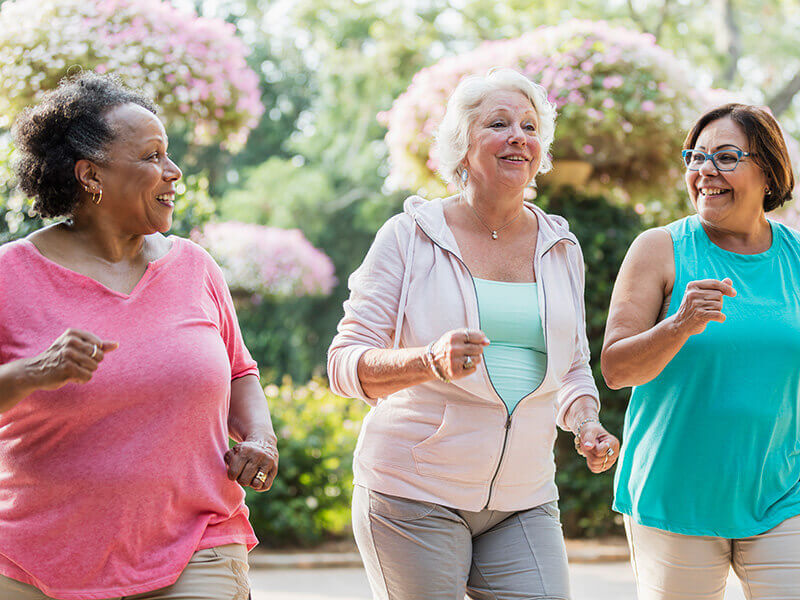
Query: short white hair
pixel 452 137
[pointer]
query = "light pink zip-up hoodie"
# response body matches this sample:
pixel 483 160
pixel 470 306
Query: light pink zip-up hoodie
pixel 455 444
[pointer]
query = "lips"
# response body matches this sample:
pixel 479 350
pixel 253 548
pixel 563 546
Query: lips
pixel 167 200
pixel 516 159
pixel 712 192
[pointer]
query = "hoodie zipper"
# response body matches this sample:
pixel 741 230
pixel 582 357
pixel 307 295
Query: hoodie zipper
pixel 489 377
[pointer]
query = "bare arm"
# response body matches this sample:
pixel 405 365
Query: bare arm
pixel 17 381
pixel 249 423
pixel 249 418
pixel 383 372
pixel 636 348
pixel 73 357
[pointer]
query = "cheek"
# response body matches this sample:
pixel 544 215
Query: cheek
pixel 691 180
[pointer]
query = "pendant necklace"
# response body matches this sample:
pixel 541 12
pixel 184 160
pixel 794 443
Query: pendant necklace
pixel 489 229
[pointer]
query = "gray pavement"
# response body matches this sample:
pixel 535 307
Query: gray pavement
pixel 595 581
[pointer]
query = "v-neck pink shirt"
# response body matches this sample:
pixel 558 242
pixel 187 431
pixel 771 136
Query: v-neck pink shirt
pixel 108 488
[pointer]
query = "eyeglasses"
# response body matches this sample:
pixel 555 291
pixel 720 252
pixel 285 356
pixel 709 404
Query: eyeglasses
pixel 723 160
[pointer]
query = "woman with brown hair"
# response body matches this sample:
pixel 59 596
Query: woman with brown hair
pixel 705 325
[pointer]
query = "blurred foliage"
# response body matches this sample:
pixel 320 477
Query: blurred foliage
pixel 310 499
pixel 605 232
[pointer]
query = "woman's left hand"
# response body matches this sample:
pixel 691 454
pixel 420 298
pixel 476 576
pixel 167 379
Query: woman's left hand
pixel 253 464
pixel 600 448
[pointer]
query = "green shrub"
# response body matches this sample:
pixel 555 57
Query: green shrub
pixel 310 499
pixel 605 233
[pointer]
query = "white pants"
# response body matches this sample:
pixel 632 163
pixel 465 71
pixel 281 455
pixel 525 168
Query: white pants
pixel 671 566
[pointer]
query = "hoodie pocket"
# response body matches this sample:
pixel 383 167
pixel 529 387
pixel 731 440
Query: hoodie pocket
pixel 466 447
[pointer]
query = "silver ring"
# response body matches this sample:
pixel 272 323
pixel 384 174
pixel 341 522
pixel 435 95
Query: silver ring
pixel 261 476
pixel 466 336
pixel 468 364
pixel 94 351
pixel 610 452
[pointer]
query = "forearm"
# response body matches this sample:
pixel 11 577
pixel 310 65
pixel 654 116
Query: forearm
pixel 640 358
pixel 17 381
pixel 582 409
pixel 383 372
pixel 249 419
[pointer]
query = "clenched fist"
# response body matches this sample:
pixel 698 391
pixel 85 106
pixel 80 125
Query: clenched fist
pixel 458 352
pixel 73 357
pixel 702 302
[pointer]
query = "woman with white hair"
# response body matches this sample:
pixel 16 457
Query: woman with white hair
pixel 465 332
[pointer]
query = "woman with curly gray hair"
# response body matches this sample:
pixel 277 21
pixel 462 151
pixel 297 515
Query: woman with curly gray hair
pixel 122 373
pixel 465 331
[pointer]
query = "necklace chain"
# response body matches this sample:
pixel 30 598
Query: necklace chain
pixel 489 229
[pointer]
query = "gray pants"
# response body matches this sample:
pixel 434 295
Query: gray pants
pixel 416 550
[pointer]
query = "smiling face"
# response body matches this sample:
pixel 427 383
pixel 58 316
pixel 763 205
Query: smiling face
pixel 138 177
pixel 726 197
pixel 504 148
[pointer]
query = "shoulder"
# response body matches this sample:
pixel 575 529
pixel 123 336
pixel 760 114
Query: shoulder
pixel 190 256
pixel 11 252
pixel 652 249
pixel 792 236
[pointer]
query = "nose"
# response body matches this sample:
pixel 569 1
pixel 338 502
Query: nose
pixel 516 135
pixel 708 168
pixel 172 172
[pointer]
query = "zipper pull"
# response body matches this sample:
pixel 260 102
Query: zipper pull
pixel 508 423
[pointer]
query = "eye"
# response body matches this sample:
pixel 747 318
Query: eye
pixel 727 158
pixel 530 127
pixel 497 124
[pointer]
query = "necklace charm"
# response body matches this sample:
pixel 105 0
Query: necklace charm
pixel 494 235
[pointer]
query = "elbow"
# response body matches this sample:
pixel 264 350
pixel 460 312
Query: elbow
pixel 611 372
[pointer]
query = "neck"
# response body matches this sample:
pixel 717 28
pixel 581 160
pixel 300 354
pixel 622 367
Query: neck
pixel 497 206
pixel 105 240
pixel 750 234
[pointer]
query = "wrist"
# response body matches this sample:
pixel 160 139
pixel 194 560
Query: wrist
pixel 676 327
pixel 263 439
pixel 434 368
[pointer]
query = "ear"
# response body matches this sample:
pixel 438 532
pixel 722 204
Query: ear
pixel 87 175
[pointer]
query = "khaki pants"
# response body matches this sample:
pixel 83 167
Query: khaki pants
pixel 671 566
pixel 214 574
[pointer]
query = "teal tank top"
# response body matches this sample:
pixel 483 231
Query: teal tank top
pixel 516 358
pixel 712 445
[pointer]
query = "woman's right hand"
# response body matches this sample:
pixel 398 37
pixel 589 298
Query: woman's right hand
pixel 701 303
pixel 73 357
pixel 451 352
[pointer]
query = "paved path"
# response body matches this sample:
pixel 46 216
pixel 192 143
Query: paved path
pixel 599 581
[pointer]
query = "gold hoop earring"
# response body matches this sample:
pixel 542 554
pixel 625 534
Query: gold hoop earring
pixel 97 197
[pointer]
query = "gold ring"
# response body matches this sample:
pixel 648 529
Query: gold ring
pixel 94 351
pixel 468 364
pixel 605 461
pixel 261 476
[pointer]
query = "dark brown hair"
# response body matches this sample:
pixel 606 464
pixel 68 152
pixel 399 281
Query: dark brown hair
pixel 765 141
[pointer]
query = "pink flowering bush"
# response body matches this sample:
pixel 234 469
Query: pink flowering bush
pixel 624 104
pixel 267 261
pixel 193 67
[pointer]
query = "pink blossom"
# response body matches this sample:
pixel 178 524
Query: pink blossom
pixel 648 106
pixel 588 149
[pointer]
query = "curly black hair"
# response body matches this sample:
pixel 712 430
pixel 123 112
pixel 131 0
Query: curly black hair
pixel 68 125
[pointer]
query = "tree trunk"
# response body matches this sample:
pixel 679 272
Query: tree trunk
pixel 730 42
pixel 781 101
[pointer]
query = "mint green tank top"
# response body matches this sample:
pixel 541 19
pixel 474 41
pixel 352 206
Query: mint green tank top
pixel 516 358
pixel 712 445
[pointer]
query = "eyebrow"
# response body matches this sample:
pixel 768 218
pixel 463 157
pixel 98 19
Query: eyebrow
pixel 719 147
pixel 505 111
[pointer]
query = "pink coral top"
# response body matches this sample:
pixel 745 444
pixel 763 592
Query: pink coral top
pixel 108 488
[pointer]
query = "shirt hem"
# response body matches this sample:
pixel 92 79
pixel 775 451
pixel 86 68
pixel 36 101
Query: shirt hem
pixel 729 534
